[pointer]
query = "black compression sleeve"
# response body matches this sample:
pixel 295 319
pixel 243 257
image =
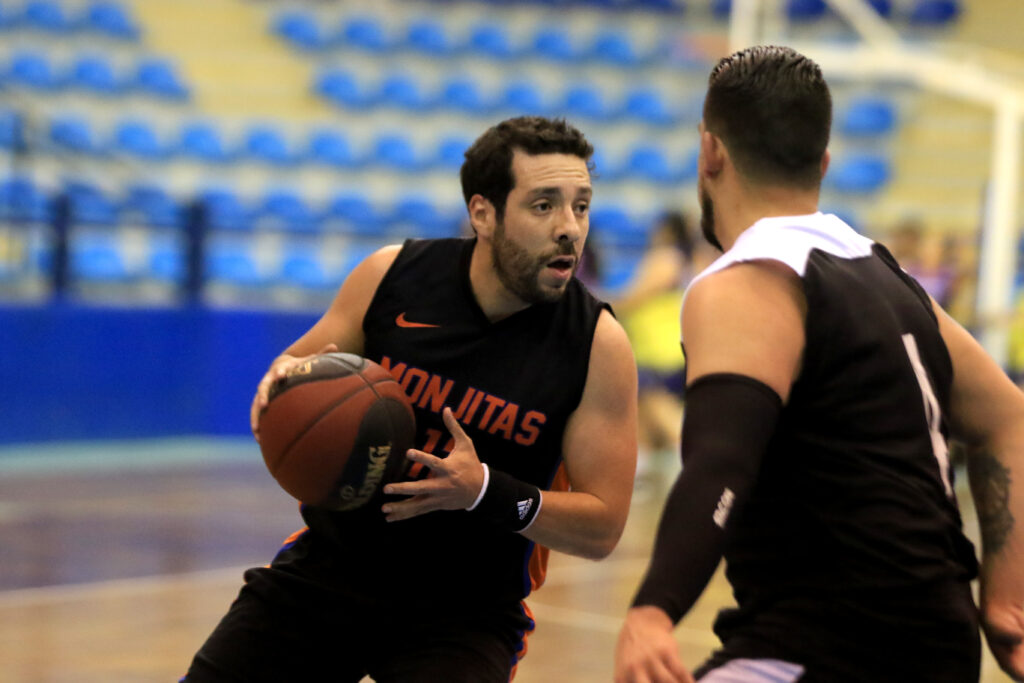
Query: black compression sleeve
pixel 729 421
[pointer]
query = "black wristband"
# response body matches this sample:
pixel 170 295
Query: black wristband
pixel 506 501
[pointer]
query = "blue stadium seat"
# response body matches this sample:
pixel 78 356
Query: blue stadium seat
pixel 365 33
pixel 167 260
pixel 863 174
pixel 523 97
pixel 232 263
pixel 555 43
pixel 603 168
pixel 451 151
pixel 618 267
pixel 402 90
pixel 720 9
pixel 344 89
pixel 302 30
pixel 224 210
pixel 286 209
pixel 95 74
pixel 868 116
pixel 267 144
pixel 46 15
pixel 429 37
pixel 883 7
pixel 331 148
pixel 651 164
pixel 615 228
pixel 462 93
pixel 11 130
pixel 153 206
pixel 33 70
pixel 304 268
pixel 355 213
pixel 418 216
pixel 586 101
pixel 934 12
pixel 396 152
pixel 202 141
pixel 647 105
pixel 491 39
pixel 159 77
pixel 614 46
pixel 73 133
pixel 111 19
pixel 137 138
pixel 89 205
pixel 97 258
pixel 805 10
pixel 22 200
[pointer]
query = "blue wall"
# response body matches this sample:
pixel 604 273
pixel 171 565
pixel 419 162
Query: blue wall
pixel 83 373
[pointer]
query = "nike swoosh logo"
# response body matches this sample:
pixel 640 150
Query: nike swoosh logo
pixel 402 322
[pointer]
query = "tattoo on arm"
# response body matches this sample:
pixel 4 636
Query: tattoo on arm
pixel 990 483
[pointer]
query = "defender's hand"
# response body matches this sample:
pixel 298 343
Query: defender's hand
pixel 453 483
pixel 278 369
pixel 646 651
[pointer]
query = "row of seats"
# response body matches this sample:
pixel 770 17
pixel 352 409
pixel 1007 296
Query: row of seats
pixel 462 94
pixel 608 45
pixel 101 18
pixel 345 212
pixel 94 73
pixel 390 152
pixel 868 115
pixel 611 46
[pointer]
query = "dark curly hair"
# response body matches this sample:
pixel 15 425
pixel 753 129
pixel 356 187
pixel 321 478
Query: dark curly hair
pixel 487 170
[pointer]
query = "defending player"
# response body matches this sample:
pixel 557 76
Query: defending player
pixel 514 369
pixel 823 383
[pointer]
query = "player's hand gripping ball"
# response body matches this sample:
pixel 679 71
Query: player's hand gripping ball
pixel 335 430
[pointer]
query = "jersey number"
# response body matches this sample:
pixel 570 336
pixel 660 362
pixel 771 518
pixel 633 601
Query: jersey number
pixel 931 411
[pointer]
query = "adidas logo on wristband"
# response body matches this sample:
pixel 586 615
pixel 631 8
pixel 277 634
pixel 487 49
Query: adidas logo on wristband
pixel 524 507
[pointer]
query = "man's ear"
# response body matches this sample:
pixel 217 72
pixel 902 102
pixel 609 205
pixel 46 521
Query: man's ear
pixel 826 158
pixel 712 154
pixel 482 216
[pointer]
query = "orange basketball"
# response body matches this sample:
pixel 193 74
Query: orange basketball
pixel 335 430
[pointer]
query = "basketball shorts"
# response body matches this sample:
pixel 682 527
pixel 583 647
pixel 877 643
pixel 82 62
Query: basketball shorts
pixel 283 628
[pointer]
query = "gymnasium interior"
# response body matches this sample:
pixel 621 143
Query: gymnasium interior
pixel 184 185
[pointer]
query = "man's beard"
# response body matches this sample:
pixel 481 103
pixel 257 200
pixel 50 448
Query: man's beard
pixel 707 220
pixel 519 271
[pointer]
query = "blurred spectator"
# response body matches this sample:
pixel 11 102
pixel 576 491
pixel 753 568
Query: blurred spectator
pixel 649 307
pixel 926 257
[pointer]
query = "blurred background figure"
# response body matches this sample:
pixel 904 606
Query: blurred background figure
pixel 649 306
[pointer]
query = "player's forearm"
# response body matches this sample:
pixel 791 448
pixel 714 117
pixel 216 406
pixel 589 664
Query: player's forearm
pixel 578 524
pixel 996 472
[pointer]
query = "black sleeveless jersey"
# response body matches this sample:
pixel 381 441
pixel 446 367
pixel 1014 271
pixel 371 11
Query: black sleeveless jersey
pixel 512 384
pixel 853 514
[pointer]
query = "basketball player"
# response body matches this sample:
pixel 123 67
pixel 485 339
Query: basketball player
pixel 822 386
pixel 514 369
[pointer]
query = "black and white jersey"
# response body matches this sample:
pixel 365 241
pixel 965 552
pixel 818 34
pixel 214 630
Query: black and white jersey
pixel 854 503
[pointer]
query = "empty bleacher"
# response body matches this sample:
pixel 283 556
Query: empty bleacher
pixel 262 147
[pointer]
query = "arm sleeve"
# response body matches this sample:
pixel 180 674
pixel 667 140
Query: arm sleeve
pixel 729 422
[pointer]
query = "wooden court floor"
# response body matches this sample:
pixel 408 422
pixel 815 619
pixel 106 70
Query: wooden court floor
pixel 117 559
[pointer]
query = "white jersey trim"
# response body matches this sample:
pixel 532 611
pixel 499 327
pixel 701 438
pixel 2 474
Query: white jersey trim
pixel 790 240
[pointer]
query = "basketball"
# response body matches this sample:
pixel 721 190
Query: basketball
pixel 336 428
